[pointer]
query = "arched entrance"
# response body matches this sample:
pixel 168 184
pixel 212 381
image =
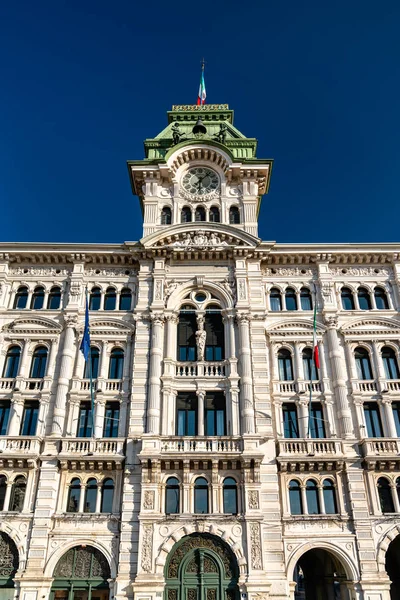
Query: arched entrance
pixel 201 567
pixel 319 575
pixel 81 574
pixel 392 565
pixel 9 561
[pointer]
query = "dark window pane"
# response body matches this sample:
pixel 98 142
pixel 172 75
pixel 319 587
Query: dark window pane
pixel 21 298
pixel 3 488
pixel 285 365
pixel 381 300
pixel 290 299
pixel 107 495
pixel 230 496
pixel 364 299
pixel 18 494
pixel 187 328
pixel 93 363
pixel 214 214
pixel 125 299
pixel 373 419
pixel 90 496
pixel 396 415
pixel 37 298
pixel 172 496
pixel 111 420
pixel 201 496
pixel 166 217
pixel 329 497
pixel 110 299
pixel 275 300
pixel 215 414
pixel 310 370
pixel 312 497
pixel 296 505
pixel 95 299
pixel 390 363
pixel 234 215
pixel 200 214
pixel 317 425
pixel 347 299
pixel 214 328
pixel 290 425
pixel 85 423
pixel 385 495
pixel 39 361
pixel 305 299
pixel 12 362
pixel 363 364
pixel 186 421
pixel 74 496
pixel 116 364
pixel 29 419
pixel 54 298
pixel 186 215
pixel 4 416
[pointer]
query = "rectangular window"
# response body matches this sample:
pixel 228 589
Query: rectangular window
pixel 396 415
pixel 215 414
pixel 29 418
pixel 187 328
pixel 111 420
pixel 290 424
pixel 373 419
pixel 186 415
pixel 4 416
pixel 85 420
pixel 317 425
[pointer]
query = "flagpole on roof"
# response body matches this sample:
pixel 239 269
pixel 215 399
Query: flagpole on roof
pixel 201 97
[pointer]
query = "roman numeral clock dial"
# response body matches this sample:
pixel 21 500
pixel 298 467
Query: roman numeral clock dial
pixel 200 183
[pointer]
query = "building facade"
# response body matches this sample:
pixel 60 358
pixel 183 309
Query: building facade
pixel 218 462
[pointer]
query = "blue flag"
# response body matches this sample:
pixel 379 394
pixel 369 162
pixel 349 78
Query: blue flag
pixel 85 344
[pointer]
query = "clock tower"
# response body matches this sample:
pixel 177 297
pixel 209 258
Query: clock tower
pixel 200 169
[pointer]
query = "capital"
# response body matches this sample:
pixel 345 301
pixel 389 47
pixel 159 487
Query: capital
pixel 331 322
pixel 70 320
pixel 243 318
pixel 157 318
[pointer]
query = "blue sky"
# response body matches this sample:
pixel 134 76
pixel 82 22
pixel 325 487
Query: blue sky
pixel 84 82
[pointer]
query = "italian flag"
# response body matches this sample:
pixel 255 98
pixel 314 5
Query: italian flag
pixel 315 343
pixel 201 98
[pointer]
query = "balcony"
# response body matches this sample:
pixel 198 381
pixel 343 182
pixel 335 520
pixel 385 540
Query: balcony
pixel 364 386
pixel 89 453
pixel 309 454
pixel 201 369
pixel 381 453
pixel 20 451
pixel 6 384
pixel 108 386
pixel 393 385
pixel 291 388
pixel 224 445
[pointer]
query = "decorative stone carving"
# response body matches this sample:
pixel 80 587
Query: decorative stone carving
pixel 360 271
pixel 253 500
pixel 331 322
pixel 288 271
pixel 110 272
pixel 242 289
pixel 75 289
pixel 193 542
pixel 229 283
pixel 38 271
pixel 255 544
pixel 327 292
pixel 200 239
pixel 147 543
pixel 158 290
pixel 82 563
pixel 200 338
pixel 169 288
pixel 148 502
pixel 9 560
pixel 71 320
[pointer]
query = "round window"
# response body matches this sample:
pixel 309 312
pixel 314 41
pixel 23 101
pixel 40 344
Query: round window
pixel 200 297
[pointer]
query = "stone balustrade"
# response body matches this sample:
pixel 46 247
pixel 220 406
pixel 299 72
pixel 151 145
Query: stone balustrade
pixel 309 447
pixel 201 369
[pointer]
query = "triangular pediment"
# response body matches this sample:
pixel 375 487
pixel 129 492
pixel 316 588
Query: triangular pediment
pixel 198 236
pixel 33 325
pixel 371 326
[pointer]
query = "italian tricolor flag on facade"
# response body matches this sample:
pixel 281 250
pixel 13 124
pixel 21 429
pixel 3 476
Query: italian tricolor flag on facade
pixel 201 98
pixel 315 343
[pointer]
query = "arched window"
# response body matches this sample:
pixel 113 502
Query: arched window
pixel 39 362
pixel 21 297
pixel 107 496
pixel 381 300
pixel 305 299
pixel 347 299
pixel 200 214
pixel 390 363
pixel 385 495
pixel 92 363
pixel 37 298
pixel 172 496
pixel 201 496
pixel 290 299
pixel 54 298
pixel 116 364
pixel 110 299
pixel 214 328
pixel 18 494
pixel 214 214
pixel 230 496
pixel 74 495
pixel 295 500
pixel 12 362
pixel 363 363
pixel 90 496
pixel 329 495
pixel 312 497
pixel 125 299
pixel 364 299
pixel 95 299
pixel 166 216
pixel 285 365
pixel 3 488
pixel 187 327
pixel 310 370
pixel 275 300
pixel 234 215
pixel 186 214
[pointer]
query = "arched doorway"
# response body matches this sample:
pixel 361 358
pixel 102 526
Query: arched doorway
pixel 201 567
pixel 9 561
pixel 392 565
pixel 81 574
pixel 319 575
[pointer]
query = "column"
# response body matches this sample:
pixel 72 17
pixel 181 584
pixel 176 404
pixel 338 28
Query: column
pixel 42 416
pixel 379 368
pixel 23 365
pixel 52 358
pixel 100 405
pixel 200 411
pixel 246 381
pixel 234 410
pixel 156 356
pixel 321 499
pixel 98 498
pixel 304 498
pixel 7 496
pixel 103 367
pixel 79 366
pixel 123 411
pixel 82 498
pixel 330 426
pixel 73 416
pixel 339 378
pixel 17 409
pixel 389 418
pixel 298 363
pixel 67 359
pixel 303 408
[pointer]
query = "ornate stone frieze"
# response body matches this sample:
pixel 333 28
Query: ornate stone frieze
pixel 200 239
pixel 147 543
pixel 39 271
pixel 360 271
pixel 289 272
pixel 148 502
pixel 253 500
pixel 255 545
pixel 158 289
pixel 111 272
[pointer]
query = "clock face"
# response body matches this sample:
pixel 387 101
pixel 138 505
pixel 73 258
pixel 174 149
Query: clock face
pixel 200 181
